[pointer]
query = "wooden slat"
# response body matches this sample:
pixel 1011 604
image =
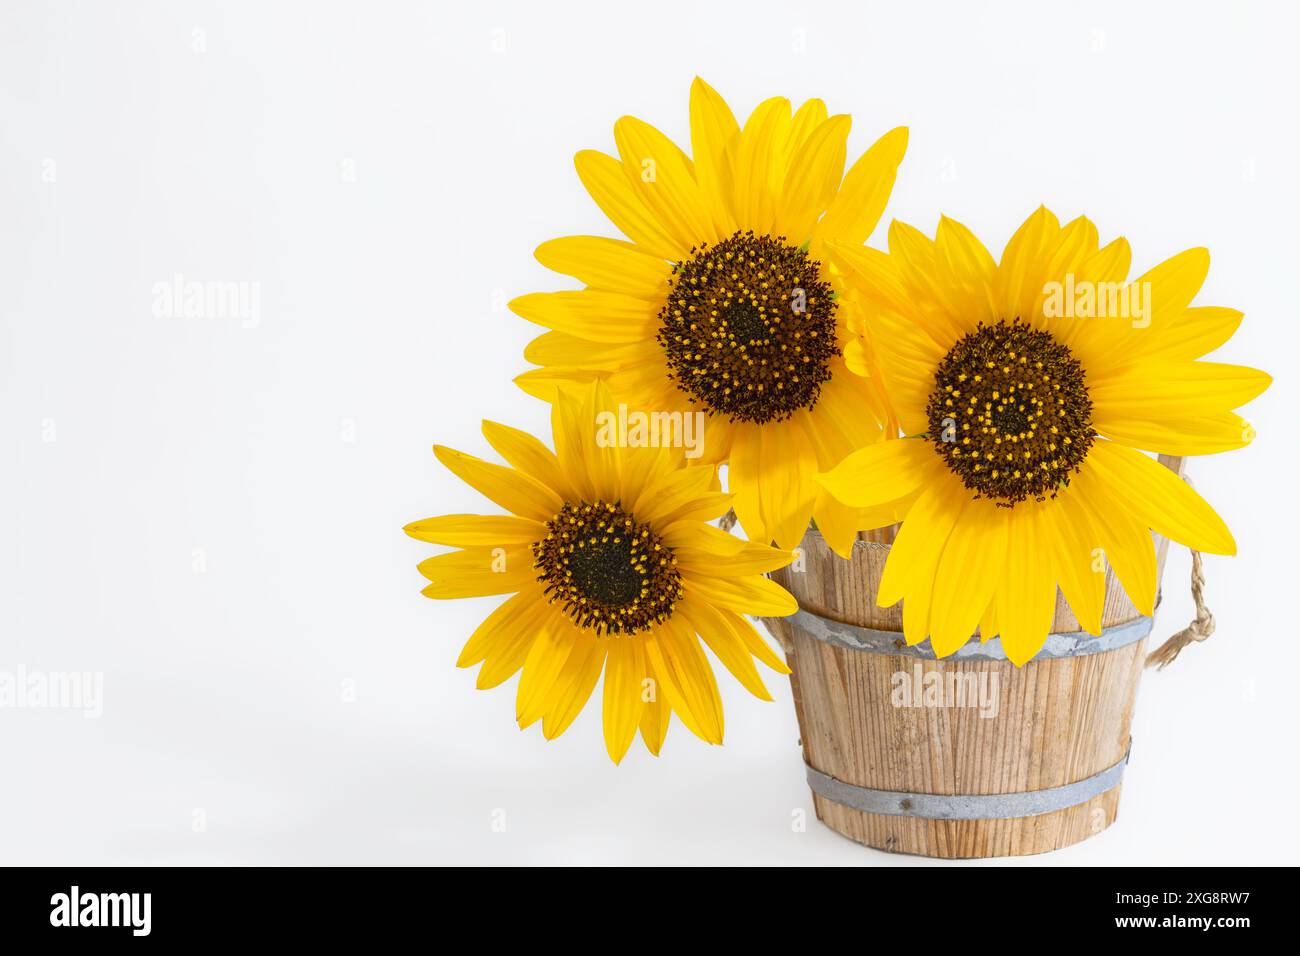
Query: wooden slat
pixel 1057 721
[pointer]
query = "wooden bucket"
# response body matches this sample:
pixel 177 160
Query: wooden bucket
pixel 968 756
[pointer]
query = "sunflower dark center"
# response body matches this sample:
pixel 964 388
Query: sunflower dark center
pixel 1010 413
pixel 749 328
pixel 610 573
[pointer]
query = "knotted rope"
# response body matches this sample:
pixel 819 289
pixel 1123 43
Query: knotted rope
pixel 1200 628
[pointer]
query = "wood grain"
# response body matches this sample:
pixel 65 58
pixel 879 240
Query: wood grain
pixel 1056 721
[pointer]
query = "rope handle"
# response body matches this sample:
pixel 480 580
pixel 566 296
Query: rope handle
pixel 1203 625
pixel 1200 628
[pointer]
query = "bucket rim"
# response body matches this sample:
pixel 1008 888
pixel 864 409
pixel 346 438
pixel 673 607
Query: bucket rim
pixel 1059 644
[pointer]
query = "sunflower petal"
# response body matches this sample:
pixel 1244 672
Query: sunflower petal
pixel 1157 497
pixel 747 595
pixel 969 268
pixel 516 492
pixel 572 352
pixel 1195 332
pixel 726 645
pixel 812 179
pixel 571 432
pixel 838 523
pixel 1027 600
pixel 610 265
pixel 1174 283
pixel 714 132
pixel 750 637
pixel 968 574
pixel 1020 277
pixel 609 317
pixel 915 552
pixel 625 668
pixel 528 456
pixel 1080 572
pixel 656 714
pixel 1126 542
pixel 477 572
pixel 682 487
pixel 605 180
pixel 514 619
pixel 752 559
pixel 1159 388
pixel 758 165
pixel 666 688
pixel 853 214
pixel 879 473
pixel 468 530
pixel 662 177
pixel 684 659
pixel 702 539
pixel 1204 434
pixel 573 686
pixel 517 630
pixel 542 668
pixel 785 488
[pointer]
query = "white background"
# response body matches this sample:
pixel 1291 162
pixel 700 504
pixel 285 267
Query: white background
pixel 210 514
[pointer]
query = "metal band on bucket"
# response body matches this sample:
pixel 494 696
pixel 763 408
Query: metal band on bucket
pixel 962 806
pixel 1062 644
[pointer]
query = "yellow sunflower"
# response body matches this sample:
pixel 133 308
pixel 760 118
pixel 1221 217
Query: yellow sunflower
pixel 722 302
pixel 612 566
pixel 1030 390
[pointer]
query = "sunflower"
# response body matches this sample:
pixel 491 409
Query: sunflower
pixel 722 302
pixel 611 566
pixel 1031 391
